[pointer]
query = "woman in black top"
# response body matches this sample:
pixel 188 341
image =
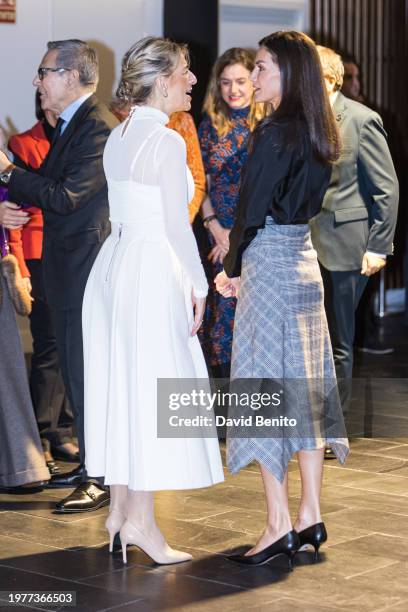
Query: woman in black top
pixel 281 342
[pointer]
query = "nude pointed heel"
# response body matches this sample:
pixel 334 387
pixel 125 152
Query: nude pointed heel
pixel 130 534
pixel 124 544
pixel 113 524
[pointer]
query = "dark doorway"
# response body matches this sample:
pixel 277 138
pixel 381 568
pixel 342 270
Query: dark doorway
pixel 195 22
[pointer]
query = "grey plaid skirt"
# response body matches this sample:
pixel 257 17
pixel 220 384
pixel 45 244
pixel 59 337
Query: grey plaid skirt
pixel 281 334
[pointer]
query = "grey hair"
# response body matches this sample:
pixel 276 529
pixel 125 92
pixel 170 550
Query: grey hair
pixel 146 60
pixel 78 55
pixel 332 65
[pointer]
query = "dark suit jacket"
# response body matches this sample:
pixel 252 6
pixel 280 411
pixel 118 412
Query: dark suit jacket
pixel 71 190
pixel 359 210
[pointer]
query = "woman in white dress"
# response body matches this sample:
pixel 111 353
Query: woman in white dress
pixel 143 305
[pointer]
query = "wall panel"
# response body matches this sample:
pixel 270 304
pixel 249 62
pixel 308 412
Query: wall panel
pixel 244 22
pixel 111 26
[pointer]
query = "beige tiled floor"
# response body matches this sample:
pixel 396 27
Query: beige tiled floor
pixel 363 566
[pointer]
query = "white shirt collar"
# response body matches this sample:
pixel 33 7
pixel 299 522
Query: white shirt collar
pixel 149 112
pixel 72 108
pixel 333 98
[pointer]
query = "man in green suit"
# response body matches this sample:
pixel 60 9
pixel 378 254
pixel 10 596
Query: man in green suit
pixel 353 233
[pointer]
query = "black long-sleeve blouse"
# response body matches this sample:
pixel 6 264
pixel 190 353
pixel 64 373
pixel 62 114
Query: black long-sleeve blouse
pixel 286 182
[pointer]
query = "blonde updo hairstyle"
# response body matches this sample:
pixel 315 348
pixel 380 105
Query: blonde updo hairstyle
pixel 145 61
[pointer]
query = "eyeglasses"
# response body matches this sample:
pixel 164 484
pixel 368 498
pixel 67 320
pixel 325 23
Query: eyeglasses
pixel 42 72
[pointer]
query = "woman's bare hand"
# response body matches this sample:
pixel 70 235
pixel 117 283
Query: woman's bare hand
pixel 220 234
pixel 217 254
pixel 199 310
pixel 227 287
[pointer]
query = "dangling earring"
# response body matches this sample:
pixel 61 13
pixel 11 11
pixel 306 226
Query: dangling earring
pixel 165 93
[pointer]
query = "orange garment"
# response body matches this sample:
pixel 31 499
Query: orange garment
pixel 26 243
pixel 183 123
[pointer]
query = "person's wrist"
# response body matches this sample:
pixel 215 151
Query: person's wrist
pixel 208 220
pixel 215 228
pixel 5 173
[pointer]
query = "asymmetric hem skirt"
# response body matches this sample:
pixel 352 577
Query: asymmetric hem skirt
pixel 281 335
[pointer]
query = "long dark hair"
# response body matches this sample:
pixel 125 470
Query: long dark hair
pixel 303 94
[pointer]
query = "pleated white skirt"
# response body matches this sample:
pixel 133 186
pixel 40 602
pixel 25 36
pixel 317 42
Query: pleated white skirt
pixel 136 320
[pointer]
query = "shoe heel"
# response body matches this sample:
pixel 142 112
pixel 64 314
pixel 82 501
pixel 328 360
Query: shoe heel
pixel 113 524
pixel 125 539
pixel 124 557
pixel 315 535
pixel 291 558
pixel 111 538
pixel 112 530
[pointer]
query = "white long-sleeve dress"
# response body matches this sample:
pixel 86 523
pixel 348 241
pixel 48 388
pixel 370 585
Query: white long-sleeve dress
pixel 137 314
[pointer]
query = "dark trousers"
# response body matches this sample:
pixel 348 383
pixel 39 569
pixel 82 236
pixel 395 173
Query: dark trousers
pixel 70 352
pixel 342 293
pixel 367 327
pixel 50 401
pixel 222 370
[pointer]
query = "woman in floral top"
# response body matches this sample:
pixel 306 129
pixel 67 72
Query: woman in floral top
pixel 230 116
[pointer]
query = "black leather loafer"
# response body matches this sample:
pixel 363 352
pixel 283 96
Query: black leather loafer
pixel 53 468
pixel 87 496
pixel 51 465
pixel 287 545
pixel 69 479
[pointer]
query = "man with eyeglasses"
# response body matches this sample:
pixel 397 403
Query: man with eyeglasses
pixel 70 188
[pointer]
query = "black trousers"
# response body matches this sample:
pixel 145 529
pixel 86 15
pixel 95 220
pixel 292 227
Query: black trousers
pixel 367 327
pixel 342 293
pixel 70 352
pixel 53 412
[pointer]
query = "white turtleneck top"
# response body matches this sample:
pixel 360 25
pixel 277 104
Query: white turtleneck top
pixel 143 150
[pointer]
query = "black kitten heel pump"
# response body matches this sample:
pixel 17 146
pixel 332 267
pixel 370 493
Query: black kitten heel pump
pixel 287 545
pixel 315 535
